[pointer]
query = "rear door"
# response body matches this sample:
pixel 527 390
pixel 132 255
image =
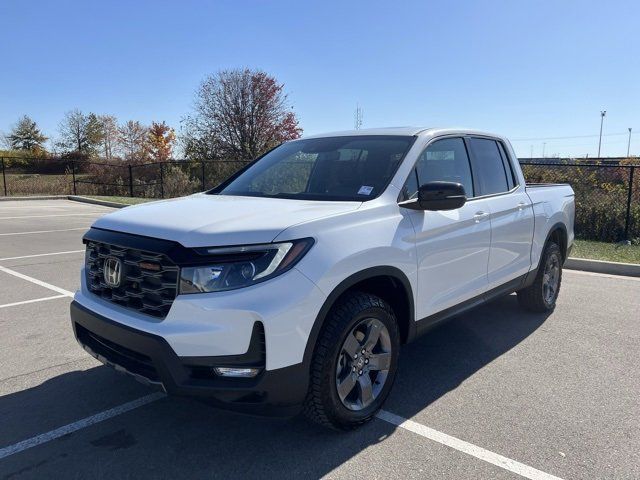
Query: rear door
pixel 510 208
pixel 452 246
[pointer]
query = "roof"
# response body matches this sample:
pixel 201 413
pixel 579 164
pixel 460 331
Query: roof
pixel 404 131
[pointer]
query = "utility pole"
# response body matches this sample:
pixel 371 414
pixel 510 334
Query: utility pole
pixel 629 143
pixel 357 121
pixel 602 114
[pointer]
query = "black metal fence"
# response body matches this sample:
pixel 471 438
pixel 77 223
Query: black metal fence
pixel 607 193
pixel 57 176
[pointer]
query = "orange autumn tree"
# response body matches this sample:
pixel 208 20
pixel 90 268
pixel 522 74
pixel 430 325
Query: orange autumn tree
pixel 162 139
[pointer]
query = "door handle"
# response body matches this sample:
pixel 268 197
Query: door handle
pixel 521 205
pixel 480 215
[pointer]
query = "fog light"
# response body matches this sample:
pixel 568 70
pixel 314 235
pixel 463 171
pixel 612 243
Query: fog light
pixel 236 372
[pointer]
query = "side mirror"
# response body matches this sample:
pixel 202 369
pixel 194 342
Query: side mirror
pixel 438 196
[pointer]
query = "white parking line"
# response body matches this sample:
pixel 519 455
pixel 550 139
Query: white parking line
pixel 54 215
pixel 75 426
pixel 465 447
pixel 35 300
pixel 36 281
pixel 41 255
pixel 68 206
pixel 45 231
pixel 422 430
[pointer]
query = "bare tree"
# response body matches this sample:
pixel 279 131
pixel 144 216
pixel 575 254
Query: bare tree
pixel 79 133
pixel 239 114
pixel 134 143
pixel 109 134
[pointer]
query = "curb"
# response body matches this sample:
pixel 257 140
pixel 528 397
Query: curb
pixel 599 266
pixel 34 197
pixel 75 198
pixel 93 201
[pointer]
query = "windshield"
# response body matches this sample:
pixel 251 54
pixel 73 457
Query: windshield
pixel 333 168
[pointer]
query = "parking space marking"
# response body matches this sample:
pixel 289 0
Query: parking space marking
pixel 422 430
pixel 80 424
pixel 465 447
pixel 44 231
pixel 41 255
pixel 68 206
pixel 54 215
pixel 64 292
pixel 35 300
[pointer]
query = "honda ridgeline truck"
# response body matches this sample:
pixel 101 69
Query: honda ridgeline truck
pixel 293 284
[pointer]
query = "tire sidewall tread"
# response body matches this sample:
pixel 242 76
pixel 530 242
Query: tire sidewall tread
pixel 531 298
pixel 322 404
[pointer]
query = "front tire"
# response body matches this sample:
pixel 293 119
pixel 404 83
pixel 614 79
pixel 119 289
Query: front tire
pixel 354 363
pixel 541 296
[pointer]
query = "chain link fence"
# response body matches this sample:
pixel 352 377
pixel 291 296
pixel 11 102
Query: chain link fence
pixel 55 176
pixel 607 194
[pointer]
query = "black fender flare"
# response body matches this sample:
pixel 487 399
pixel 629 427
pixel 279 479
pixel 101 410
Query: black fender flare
pixel 531 275
pixel 557 226
pixel 346 284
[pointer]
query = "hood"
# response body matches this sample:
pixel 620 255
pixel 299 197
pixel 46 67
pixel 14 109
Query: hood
pixel 215 220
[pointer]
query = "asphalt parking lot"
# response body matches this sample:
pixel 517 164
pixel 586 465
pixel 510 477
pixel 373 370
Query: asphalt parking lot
pixel 495 393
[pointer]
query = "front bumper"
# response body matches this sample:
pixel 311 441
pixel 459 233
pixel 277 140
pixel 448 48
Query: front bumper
pixel 151 360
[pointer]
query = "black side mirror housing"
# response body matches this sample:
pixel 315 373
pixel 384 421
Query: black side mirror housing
pixel 438 196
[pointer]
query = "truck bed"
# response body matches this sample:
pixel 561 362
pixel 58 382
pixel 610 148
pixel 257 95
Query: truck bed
pixel 536 185
pixel 553 204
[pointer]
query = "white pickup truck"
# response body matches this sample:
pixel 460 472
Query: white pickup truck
pixel 292 285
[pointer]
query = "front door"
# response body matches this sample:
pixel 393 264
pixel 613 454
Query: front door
pixel 452 246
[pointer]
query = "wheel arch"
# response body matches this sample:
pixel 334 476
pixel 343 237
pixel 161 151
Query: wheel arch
pixel 557 233
pixel 387 282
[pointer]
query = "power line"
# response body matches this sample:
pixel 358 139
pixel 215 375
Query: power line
pixel 572 136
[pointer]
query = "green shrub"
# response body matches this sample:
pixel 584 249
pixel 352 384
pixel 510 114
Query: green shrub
pixel 601 198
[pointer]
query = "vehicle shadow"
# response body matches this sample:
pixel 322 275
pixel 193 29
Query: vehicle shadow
pixel 176 437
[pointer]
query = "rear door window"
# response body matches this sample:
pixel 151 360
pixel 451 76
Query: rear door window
pixel 488 167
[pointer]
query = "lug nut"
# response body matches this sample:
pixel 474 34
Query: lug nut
pixel 366 360
pixel 360 372
pixel 363 350
pixel 355 356
pixel 354 368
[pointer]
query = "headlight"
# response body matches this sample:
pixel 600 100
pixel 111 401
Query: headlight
pixel 237 267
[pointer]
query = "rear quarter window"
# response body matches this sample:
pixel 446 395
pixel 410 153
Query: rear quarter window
pixel 488 167
pixel 508 166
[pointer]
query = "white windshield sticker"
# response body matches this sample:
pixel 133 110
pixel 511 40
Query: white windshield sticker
pixel 365 190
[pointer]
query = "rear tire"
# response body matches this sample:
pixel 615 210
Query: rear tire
pixel 354 363
pixel 542 294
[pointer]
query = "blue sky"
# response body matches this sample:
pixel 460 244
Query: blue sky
pixel 530 70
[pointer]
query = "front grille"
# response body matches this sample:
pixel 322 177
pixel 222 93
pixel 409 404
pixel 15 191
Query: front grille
pixel 148 281
pixel 133 362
